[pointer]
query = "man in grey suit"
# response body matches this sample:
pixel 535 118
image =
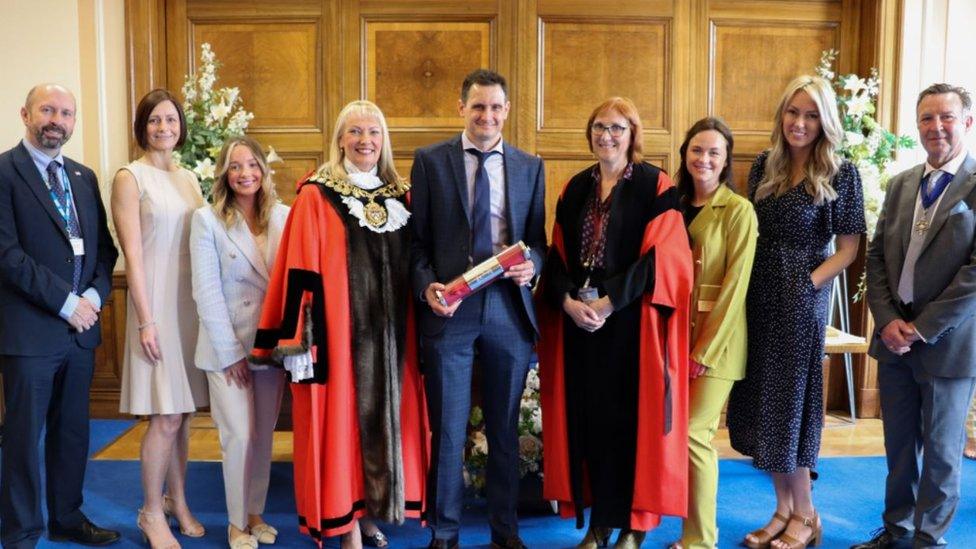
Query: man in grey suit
pixel 470 197
pixel 922 292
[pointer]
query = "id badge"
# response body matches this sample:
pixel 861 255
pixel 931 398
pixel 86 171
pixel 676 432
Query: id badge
pixel 78 246
pixel 587 294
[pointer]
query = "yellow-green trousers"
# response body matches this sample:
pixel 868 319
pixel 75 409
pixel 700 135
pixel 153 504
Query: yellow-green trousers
pixel 707 398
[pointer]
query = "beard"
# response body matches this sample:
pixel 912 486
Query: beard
pixel 52 142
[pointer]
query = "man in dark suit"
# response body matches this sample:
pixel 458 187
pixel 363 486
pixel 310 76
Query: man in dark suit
pixel 921 290
pixel 56 260
pixel 472 195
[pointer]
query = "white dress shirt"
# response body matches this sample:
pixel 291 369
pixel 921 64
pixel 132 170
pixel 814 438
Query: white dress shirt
pixel 495 166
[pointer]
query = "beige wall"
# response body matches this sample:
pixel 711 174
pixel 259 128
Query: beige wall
pixel 936 47
pixel 82 46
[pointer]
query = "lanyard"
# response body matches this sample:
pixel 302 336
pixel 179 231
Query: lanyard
pixel 63 208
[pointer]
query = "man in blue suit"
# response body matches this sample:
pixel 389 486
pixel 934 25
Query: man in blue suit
pixel 471 196
pixel 56 260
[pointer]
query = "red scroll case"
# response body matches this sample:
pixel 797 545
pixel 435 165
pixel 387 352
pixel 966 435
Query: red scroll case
pixel 483 274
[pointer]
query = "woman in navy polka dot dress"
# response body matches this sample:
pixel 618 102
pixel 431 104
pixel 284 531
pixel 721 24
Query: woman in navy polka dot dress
pixel 804 195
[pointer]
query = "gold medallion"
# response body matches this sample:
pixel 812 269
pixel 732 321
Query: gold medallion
pixel 922 225
pixel 375 214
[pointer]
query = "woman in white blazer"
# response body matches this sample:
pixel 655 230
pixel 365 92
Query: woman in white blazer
pixel 232 250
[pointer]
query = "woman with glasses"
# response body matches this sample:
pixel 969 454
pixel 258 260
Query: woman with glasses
pixel 614 349
pixel 804 194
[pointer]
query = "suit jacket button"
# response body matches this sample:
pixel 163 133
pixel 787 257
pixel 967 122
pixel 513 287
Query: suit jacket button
pixel 233 256
pixel 247 302
pixel 69 260
pixel 698 262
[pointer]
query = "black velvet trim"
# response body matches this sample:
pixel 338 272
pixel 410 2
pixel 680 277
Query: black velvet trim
pixel 328 524
pixel 413 505
pixel 300 281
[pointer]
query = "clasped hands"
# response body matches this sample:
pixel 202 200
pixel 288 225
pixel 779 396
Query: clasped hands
pixel 588 315
pixel 521 274
pixel 85 315
pixel 899 335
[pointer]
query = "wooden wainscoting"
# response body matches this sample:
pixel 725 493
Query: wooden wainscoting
pixel 297 62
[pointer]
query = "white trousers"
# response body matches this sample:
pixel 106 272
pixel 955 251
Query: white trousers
pixel 246 420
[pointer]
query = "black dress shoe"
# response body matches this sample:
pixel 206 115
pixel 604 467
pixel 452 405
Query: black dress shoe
pixel 511 543
pixel 85 533
pixel 444 544
pixel 883 539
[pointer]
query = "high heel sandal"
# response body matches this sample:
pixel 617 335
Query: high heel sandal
pixel 169 509
pixel 376 539
pixel 145 520
pixel 630 539
pixel 763 536
pixel 816 532
pixel 596 537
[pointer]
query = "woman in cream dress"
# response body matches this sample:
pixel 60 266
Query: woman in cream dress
pixel 152 203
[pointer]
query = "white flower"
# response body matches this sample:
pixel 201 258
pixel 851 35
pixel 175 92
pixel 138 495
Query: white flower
pixel 853 84
pixel 204 168
pixel 537 421
pixel 852 139
pixel 480 442
pixel 532 380
pixel 219 111
pixel 231 94
pixel 858 105
pixel 272 155
pixel 206 53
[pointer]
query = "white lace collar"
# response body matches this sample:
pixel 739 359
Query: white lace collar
pixel 396 213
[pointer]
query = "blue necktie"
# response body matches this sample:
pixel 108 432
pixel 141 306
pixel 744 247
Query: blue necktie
pixel 481 247
pixel 64 208
pixel 931 193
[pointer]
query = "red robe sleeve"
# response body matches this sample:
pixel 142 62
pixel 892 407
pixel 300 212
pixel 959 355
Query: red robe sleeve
pixel 307 308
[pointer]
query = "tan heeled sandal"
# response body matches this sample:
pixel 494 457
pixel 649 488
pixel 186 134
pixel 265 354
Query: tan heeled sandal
pixel 763 536
pixel 815 537
pixel 145 522
pixel 195 530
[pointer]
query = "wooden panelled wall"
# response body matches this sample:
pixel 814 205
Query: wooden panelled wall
pixel 297 62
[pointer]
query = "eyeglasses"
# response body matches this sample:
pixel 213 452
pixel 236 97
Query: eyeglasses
pixel 615 130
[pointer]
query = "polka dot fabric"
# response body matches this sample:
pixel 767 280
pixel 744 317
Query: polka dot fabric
pixel 775 413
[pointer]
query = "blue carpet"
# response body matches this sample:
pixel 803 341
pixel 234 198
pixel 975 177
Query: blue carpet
pixel 849 496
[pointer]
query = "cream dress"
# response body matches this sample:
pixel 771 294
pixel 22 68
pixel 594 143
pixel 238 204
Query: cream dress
pixel 174 385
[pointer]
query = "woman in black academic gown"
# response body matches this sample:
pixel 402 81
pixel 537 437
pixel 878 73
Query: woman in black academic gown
pixel 614 348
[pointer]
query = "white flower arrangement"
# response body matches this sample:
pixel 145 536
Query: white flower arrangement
pixel 529 431
pixel 212 116
pixel 868 145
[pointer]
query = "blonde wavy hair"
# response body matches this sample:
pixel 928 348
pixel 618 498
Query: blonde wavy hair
pixel 224 204
pixel 385 168
pixel 823 163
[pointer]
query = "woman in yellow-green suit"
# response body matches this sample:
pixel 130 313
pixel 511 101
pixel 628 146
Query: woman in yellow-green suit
pixel 723 231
